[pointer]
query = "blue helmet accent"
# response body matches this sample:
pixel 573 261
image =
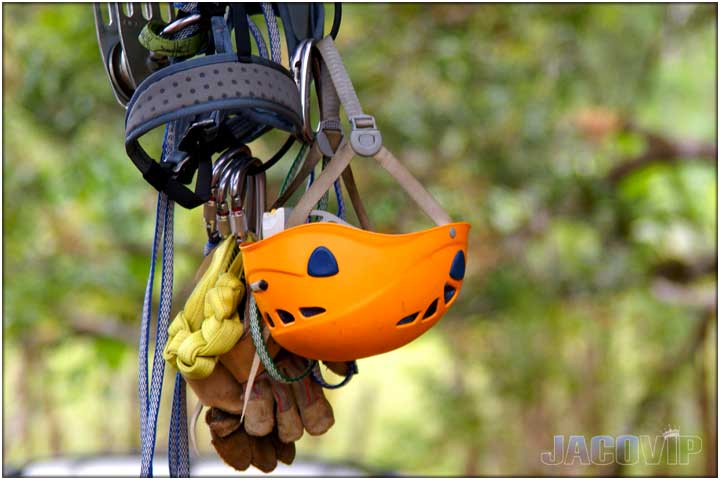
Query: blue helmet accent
pixel 322 263
pixel 457 269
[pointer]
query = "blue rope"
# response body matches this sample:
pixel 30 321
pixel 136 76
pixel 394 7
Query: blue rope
pixel 273 32
pixel 318 378
pixel 150 399
pixel 259 40
pixel 145 326
pixel 340 200
pixel 178 451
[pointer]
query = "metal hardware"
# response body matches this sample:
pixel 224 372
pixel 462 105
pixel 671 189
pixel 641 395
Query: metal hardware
pixel 302 74
pixel 181 23
pixel 125 60
pixel 321 137
pixel 365 138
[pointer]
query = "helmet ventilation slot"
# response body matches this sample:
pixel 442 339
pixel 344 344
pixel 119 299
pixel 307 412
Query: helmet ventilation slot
pixel 269 320
pixel 448 292
pixel 409 319
pixel 431 309
pixel 311 311
pixel 285 317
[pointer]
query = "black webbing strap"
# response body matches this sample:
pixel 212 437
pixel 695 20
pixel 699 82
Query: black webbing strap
pixel 164 179
pixel 239 21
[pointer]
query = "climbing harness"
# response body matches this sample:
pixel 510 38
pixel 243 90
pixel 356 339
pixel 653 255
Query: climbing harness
pixel 282 289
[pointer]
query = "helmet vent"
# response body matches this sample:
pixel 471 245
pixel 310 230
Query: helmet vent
pixel 431 309
pixel 269 320
pixel 311 311
pixel 448 292
pixel 409 319
pixel 285 317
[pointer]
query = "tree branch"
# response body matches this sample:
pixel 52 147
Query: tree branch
pixel 661 149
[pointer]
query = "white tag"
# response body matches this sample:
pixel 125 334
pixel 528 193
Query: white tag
pixel 274 221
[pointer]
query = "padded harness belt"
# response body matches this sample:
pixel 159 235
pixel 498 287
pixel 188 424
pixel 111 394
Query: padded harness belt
pixel 189 90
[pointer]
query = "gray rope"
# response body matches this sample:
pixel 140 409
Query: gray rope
pixel 273 32
pixel 259 40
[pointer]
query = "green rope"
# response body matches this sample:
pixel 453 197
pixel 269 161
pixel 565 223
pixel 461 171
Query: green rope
pixel 151 38
pixel 293 168
pixel 262 351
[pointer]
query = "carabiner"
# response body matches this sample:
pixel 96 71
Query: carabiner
pixel 181 23
pixel 302 74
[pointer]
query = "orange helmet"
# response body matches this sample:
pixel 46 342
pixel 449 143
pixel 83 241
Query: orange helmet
pixel 333 292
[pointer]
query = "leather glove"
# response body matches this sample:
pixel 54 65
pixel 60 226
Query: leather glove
pixel 276 414
pixel 240 450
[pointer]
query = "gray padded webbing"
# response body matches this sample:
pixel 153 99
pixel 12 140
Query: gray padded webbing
pixel 207 83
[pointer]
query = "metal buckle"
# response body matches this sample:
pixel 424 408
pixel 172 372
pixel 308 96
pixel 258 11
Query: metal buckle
pixel 322 139
pixel 365 138
pixel 181 23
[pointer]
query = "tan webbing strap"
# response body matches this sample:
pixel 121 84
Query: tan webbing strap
pixel 329 101
pixel 340 79
pixel 412 186
pixel 322 184
pixel 354 195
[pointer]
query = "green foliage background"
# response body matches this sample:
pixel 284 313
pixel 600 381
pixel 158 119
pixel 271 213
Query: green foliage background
pixel 588 307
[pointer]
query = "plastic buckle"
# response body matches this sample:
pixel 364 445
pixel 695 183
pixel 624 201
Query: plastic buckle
pixel 323 141
pixel 365 138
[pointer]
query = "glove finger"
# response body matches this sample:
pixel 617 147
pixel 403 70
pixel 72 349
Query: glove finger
pixel 220 390
pixel 289 423
pixel 315 411
pixel 222 423
pixel 260 412
pixel 263 453
pixel 234 449
pixel 285 451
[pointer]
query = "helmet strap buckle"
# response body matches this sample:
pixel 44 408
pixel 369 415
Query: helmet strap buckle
pixel 365 138
pixel 328 146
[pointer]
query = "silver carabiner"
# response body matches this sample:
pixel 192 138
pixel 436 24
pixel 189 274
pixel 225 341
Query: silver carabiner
pixel 181 23
pixel 223 210
pixel 302 74
pixel 210 208
pixel 238 189
pixel 258 203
